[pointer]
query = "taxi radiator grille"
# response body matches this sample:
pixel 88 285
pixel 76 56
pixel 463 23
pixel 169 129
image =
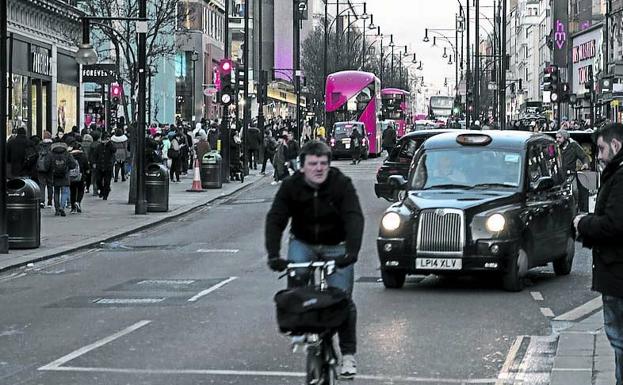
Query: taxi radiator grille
pixel 440 231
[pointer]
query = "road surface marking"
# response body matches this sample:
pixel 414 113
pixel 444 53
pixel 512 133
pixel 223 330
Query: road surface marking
pixel 211 289
pixel 581 310
pixel 572 370
pixel 258 373
pixel 536 295
pixel 218 250
pixel 547 312
pixel 77 353
pixel 510 360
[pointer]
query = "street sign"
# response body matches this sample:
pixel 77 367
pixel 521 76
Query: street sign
pixel 99 73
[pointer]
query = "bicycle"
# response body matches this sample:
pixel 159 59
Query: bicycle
pixel 316 337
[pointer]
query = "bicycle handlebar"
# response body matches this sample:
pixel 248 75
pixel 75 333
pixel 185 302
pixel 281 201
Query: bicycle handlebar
pixel 301 265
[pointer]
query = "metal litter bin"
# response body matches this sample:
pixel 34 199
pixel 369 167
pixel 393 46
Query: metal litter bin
pixel 157 188
pixel 211 169
pixel 23 214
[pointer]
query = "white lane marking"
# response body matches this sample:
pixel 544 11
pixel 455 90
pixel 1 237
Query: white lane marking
pixel 211 289
pixel 581 310
pixel 510 360
pixel 218 250
pixel 536 295
pixel 547 312
pixel 572 370
pixel 258 373
pixel 83 350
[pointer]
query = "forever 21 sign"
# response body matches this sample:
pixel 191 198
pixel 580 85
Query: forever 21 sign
pixel 99 73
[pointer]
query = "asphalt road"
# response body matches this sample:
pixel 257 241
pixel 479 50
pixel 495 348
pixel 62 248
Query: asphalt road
pixel 190 302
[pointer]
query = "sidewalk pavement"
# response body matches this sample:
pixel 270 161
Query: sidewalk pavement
pixel 102 220
pixel 584 355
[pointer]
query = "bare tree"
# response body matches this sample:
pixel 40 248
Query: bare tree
pixel 121 34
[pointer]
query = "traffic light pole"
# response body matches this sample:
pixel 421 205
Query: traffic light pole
pixel 141 203
pixel 224 130
pixel 260 69
pixel 246 107
pixel 297 66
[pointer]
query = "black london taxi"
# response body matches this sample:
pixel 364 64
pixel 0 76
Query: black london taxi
pixel 340 139
pixel 398 162
pixel 480 202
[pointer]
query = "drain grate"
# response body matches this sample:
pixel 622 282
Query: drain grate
pixel 127 301
pixel 120 247
pixel 247 201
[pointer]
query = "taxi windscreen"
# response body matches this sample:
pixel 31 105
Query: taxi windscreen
pixel 343 130
pixel 468 168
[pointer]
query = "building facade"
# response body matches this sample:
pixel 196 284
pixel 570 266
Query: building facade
pixel 44 78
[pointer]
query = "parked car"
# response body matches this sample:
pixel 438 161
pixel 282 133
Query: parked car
pixel 492 202
pixel 340 139
pixel 398 162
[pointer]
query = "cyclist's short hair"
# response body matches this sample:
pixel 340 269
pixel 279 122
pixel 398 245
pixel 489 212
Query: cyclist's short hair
pixel 611 131
pixel 316 148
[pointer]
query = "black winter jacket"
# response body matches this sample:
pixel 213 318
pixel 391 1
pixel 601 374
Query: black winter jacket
pixel 326 216
pixel 603 231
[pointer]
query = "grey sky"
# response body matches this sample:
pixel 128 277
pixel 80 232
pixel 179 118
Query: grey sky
pixel 407 19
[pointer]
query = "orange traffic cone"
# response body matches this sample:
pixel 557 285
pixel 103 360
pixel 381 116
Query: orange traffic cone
pixel 196 187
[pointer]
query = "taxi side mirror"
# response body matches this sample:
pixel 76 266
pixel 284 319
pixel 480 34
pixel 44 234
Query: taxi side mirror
pixel 542 184
pixel 397 182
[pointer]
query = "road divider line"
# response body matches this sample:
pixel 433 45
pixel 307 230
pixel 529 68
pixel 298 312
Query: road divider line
pixel 258 373
pixel 211 289
pixel 510 360
pixel 77 353
pixel 547 312
pixel 218 250
pixel 536 295
pixel 581 311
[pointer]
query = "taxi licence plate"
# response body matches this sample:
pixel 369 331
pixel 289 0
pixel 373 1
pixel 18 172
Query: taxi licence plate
pixel 438 263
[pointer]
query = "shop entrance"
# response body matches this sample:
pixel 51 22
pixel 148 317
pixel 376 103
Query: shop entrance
pixel 39 100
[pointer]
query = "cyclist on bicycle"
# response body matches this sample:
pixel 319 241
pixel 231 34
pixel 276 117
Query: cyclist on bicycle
pixel 327 223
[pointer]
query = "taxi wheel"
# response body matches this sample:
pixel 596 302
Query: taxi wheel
pixel 563 265
pixel 393 279
pixel 512 280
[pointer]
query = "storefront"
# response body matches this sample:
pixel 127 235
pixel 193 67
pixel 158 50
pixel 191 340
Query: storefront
pixel 44 81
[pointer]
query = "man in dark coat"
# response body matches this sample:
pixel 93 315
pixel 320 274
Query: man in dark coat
pixel 103 161
pixel 602 232
pixel 19 152
pixel 389 138
pixel 254 141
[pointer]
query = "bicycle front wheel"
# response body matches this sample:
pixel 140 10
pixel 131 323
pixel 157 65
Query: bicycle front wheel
pixel 314 367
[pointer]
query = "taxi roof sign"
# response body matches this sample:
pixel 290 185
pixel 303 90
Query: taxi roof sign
pixel 473 139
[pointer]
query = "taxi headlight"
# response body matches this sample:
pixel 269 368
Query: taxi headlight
pixel 391 221
pixel 495 223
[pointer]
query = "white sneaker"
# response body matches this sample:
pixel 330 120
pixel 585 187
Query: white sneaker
pixel 349 366
pixel 273 183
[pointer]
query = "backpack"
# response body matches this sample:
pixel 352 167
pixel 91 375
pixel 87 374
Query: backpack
pixel 42 164
pixel 75 175
pixel 59 165
pixel 172 154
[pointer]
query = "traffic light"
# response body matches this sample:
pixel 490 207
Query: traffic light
pixel 226 95
pixel 564 92
pixel 302 9
pixel 240 72
pixel 115 93
pixel 470 101
pixel 551 80
pixel 263 86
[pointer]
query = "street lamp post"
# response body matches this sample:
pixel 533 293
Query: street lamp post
pixel 141 28
pixel 4 236
pixel 224 129
pixel 194 56
pixel 262 79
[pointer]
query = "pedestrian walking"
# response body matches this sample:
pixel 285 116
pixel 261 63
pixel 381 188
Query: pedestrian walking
pixel 45 177
pixel 269 148
pixel 77 178
pixel 104 159
pixel 292 151
pixel 355 146
pixel 122 154
pixel 87 145
pixel 389 138
pixel 21 155
pixel 59 162
pixel 280 161
pixel 254 142
pixel 602 232
pixel 97 135
pixel 175 156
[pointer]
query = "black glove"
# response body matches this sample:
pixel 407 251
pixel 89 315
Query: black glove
pixel 277 264
pixel 346 260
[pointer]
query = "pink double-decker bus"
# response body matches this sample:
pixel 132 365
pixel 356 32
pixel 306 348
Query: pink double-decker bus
pixel 354 96
pixel 396 108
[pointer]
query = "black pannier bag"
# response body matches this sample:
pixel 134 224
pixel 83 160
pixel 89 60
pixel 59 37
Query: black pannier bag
pixel 309 310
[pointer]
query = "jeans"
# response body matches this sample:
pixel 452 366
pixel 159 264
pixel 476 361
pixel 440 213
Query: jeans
pixel 77 192
pixel 120 166
pixel 65 193
pixel 46 187
pixel 103 182
pixel 299 251
pixel 267 157
pixel 613 325
pixel 58 199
